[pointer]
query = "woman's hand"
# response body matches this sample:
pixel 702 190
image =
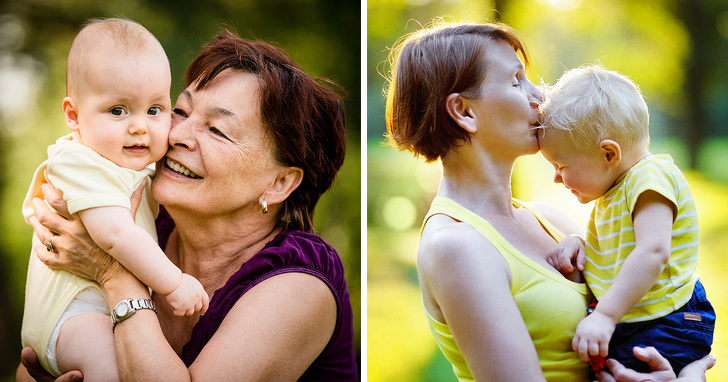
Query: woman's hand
pixel 32 370
pixel 661 369
pixel 75 251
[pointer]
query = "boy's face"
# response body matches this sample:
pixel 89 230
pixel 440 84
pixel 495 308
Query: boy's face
pixel 584 172
pixel 124 111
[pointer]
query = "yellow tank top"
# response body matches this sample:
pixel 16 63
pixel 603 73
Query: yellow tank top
pixel 551 305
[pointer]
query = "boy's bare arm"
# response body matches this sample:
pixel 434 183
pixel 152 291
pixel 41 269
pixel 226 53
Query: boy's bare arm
pixel 114 230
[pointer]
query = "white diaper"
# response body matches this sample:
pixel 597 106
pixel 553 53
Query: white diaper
pixel 88 301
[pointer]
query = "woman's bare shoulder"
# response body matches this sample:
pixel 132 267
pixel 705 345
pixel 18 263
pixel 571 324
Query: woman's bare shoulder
pixel 450 244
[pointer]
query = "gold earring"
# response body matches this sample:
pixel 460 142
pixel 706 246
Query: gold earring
pixel 264 204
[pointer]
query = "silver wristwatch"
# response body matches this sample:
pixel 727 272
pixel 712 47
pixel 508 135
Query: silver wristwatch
pixel 125 308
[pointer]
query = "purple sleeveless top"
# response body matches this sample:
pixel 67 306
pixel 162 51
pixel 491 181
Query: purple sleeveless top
pixel 289 251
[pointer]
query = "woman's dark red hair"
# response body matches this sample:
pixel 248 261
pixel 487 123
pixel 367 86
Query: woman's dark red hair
pixel 303 116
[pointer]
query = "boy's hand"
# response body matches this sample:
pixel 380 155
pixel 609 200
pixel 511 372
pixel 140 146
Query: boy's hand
pixel 189 297
pixel 568 256
pixel 592 336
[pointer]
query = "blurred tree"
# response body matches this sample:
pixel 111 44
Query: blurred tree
pixel 705 71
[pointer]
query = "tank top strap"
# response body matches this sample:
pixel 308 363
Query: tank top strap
pixel 550 228
pixel 515 259
pixel 446 206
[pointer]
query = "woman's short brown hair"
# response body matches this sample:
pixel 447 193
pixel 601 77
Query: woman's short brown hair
pixel 303 116
pixel 427 66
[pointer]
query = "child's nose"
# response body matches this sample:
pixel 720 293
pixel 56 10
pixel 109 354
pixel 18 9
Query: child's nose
pixel 557 177
pixel 535 96
pixel 138 126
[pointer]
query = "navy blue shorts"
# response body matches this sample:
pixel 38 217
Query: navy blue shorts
pixel 682 336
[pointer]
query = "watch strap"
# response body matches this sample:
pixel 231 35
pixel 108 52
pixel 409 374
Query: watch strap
pixel 142 303
pixel 133 305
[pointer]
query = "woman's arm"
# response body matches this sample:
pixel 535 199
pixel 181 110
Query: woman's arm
pixel 142 351
pixel 276 330
pixel 469 282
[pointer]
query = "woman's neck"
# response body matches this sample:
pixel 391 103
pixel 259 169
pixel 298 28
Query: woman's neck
pixel 213 249
pixel 481 184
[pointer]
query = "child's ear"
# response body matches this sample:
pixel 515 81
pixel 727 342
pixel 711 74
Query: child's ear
pixel 458 108
pixel 71 114
pixel 611 152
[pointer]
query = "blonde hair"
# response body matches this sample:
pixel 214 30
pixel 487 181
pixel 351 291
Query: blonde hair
pixel 97 39
pixel 592 103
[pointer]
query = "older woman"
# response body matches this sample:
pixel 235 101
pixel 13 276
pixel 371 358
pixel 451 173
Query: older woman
pixel 254 143
pixel 498 310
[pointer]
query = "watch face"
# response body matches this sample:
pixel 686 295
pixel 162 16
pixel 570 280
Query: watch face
pixel 122 309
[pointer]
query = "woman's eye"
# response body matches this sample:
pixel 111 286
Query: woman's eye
pixel 154 110
pixel 179 112
pixel 117 111
pixel 215 131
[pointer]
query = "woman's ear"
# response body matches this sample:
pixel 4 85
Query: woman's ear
pixel 611 152
pixel 71 114
pixel 285 183
pixel 458 107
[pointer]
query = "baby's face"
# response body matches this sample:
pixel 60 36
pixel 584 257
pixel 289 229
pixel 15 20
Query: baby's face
pixel 583 172
pixel 124 113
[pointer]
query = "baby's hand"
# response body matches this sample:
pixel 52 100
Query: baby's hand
pixel 568 255
pixel 592 336
pixel 189 297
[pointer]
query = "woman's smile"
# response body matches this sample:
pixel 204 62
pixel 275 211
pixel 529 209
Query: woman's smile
pixel 179 169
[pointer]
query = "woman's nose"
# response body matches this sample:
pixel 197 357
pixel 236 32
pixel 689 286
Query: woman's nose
pixel 182 133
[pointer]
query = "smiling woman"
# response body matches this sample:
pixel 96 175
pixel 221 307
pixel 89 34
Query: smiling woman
pixel 216 129
pixel 254 143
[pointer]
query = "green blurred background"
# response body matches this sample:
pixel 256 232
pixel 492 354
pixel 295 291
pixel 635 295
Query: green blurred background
pixel 323 36
pixel 676 50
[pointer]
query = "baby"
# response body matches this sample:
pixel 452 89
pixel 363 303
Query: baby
pixel 642 237
pixel 119 112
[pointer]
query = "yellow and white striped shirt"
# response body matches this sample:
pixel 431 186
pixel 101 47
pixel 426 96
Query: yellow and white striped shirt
pixel 610 237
